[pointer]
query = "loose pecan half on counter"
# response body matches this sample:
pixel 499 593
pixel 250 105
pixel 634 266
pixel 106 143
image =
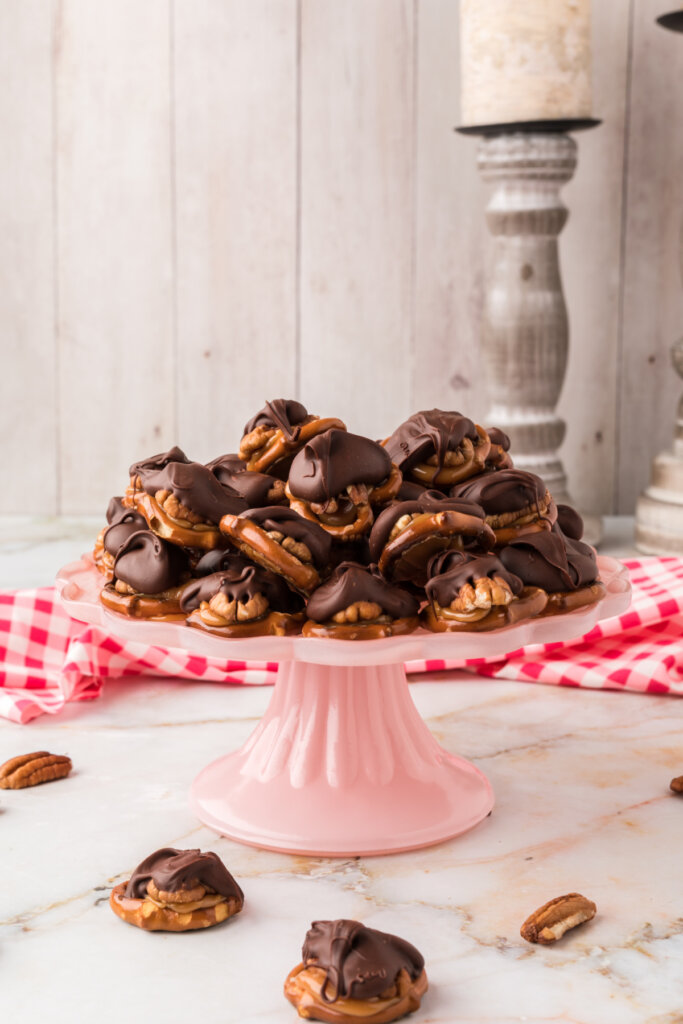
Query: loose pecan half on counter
pixel 32 769
pixel 553 919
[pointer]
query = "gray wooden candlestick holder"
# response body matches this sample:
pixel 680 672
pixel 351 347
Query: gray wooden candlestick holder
pixel 525 331
pixel 659 513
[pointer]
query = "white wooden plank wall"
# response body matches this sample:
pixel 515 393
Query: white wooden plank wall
pixel 208 204
pixel 28 396
pixel 114 253
pixel 235 74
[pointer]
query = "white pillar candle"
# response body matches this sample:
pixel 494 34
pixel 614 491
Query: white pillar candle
pixel 524 60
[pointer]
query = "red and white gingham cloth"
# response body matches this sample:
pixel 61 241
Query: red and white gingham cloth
pixel 48 659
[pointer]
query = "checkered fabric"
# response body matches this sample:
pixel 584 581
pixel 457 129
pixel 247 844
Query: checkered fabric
pixel 48 659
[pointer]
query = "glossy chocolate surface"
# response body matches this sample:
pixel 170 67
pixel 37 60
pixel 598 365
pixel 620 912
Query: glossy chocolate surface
pixel 426 433
pixel 173 871
pixel 125 524
pixel 502 490
pixel 551 561
pixel 157 462
pixel 359 962
pixel 241 584
pixel 193 485
pixel 570 522
pixel 449 571
pixel 232 472
pixel 219 560
pixel 331 461
pixel 284 414
pixel 429 502
pixel 411 491
pixel 351 582
pixel 116 510
pixel 149 564
pixel 499 437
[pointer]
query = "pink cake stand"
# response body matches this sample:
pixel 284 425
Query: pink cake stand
pixel 341 763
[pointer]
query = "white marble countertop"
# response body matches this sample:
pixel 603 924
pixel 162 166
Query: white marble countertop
pixel 581 782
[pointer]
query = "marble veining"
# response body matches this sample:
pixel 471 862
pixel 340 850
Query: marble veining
pixel 581 782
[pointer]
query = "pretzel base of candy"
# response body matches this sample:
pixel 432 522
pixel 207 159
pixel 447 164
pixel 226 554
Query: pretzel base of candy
pixel 147 914
pixel 405 557
pixel 530 603
pixel 103 560
pixel 383 493
pixel 361 630
pixel 535 524
pixel 144 606
pixel 203 536
pixel 447 476
pixel 257 545
pixel 278 447
pixel 358 527
pixel 272 624
pixel 569 600
pixel 303 988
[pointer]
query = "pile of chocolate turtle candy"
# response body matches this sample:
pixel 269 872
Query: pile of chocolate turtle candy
pixel 311 529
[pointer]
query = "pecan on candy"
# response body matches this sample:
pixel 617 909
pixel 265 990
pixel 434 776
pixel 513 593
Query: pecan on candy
pixel 32 769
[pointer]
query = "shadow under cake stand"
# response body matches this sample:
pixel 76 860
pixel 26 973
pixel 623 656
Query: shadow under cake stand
pixel 341 763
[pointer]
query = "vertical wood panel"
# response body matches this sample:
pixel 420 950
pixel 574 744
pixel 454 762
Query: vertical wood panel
pixel 590 248
pixel 27 391
pixel 653 297
pixel 236 198
pixel 357 210
pixel 114 243
pixel 451 234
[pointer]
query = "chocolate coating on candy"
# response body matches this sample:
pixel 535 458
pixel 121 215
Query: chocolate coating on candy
pixel 499 437
pixel 116 510
pixel 359 962
pixel 411 491
pixel 551 561
pixel 427 433
pixel 281 413
pixel 351 582
pixel 149 564
pixel 193 485
pixel 219 560
pixel 569 522
pixel 429 502
pixel 504 490
pixel 449 571
pixel 287 521
pixel 241 584
pixel 334 460
pixel 157 462
pixel 177 870
pixel 126 524
pixel 232 472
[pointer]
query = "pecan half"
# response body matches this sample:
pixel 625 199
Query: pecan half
pixel 553 919
pixel 32 769
pixel 677 784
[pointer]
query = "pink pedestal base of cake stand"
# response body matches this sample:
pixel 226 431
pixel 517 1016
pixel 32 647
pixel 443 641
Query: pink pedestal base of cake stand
pixel 341 763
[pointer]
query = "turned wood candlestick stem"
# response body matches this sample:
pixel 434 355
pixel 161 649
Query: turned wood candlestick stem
pixel 525 326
